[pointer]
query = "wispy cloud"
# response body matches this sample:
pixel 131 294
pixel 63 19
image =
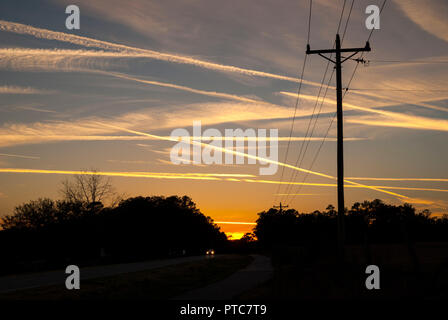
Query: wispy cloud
pixel 403 121
pixel 184 88
pixel 297 194
pixel 21 90
pixel 27 59
pixel 234 222
pixel 216 177
pixel 19 156
pixel 264 160
pixel 153 175
pixel 30 108
pixel 390 119
pixel 87 129
pixel 398 179
pixel 430 15
pixel 105 45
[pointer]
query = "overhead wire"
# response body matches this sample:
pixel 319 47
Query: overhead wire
pixel 348 85
pixel 323 100
pixel 297 102
pixel 307 139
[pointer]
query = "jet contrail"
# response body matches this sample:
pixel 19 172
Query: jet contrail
pixel 128 51
pixel 416 189
pixel 19 156
pixel 160 175
pixel 105 45
pixel 351 186
pixel 395 101
pixel 211 177
pixel 234 222
pixel 400 120
pixel 20 90
pixel 297 194
pixel 184 88
pixel 249 156
pixel 399 179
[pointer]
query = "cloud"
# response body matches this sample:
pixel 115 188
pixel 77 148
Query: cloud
pixel 184 88
pixel 398 179
pixel 87 129
pixel 21 90
pixel 403 121
pixel 430 15
pixel 377 188
pixel 105 45
pixel 250 32
pixel 264 160
pixel 29 108
pixel 211 176
pixel 234 222
pixel 417 84
pixel 152 175
pixel 18 156
pixel 389 118
pixel 39 132
pixel 23 59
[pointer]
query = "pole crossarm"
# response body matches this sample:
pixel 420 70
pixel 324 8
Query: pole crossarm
pixel 356 50
pixel 281 207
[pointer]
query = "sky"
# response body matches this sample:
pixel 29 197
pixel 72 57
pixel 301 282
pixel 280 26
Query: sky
pixel 108 96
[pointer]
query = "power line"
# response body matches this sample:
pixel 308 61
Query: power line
pixel 334 116
pixel 294 174
pixel 309 21
pixel 317 100
pixel 405 90
pixel 342 14
pixel 320 108
pixel 292 126
pixel 381 10
pixel 307 138
pixel 297 102
pixel 362 53
pixel 409 61
pixel 348 19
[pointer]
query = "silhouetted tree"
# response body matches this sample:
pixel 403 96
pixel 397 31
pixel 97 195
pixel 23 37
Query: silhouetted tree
pixel 275 226
pixel 88 188
pixel 153 225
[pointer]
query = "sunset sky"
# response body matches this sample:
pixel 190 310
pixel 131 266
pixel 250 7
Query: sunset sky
pixel 107 97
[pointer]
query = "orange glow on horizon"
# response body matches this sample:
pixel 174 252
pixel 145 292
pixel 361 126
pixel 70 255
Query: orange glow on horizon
pixel 235 235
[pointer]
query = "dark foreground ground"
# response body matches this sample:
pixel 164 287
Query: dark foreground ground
pixel 417 272
pixel 156 283
pixel 283 273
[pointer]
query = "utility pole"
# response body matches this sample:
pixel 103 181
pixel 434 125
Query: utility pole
pixel 281 207
pixel 340 143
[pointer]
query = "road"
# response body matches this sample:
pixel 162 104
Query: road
pixel 27 281
pixel 259 271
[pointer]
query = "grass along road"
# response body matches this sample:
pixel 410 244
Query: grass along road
pixel 160 283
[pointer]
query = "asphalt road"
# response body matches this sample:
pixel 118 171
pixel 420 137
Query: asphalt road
pixel 259 271
pixel 26 281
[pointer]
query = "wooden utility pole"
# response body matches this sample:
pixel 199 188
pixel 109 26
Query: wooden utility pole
pixel 281 207
pixel 340 142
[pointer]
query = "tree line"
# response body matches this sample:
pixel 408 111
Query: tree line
pixel 369 221
pixel 80 229
pixel 92 224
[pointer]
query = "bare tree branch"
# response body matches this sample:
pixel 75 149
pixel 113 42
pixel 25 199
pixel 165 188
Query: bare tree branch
pixel 88 188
